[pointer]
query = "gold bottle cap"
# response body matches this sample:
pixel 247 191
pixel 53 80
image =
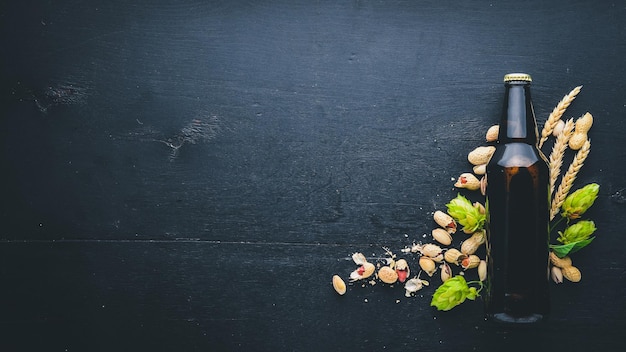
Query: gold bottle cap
pixel 517 77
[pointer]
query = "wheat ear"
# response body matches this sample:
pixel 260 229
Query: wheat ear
pixel 556 114
pixel 558 151
pixel 568 179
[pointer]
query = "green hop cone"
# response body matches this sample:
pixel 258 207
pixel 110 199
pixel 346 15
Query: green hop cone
pixel 466 214
pixel 574 238
pixel 580 231
pixel 452 293
pixel 578 202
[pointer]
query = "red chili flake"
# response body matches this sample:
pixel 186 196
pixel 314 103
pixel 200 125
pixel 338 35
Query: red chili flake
pixel 463 180
pixel 361 270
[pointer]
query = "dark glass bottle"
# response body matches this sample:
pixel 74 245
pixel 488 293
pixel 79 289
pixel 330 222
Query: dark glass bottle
pixel 517 207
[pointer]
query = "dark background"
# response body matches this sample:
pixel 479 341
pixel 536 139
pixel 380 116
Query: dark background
pixel 309 130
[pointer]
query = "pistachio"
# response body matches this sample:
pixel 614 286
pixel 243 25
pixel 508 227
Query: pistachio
pixel 480 169
pixel 470 262
pixel 468 181
pixel 560 262
pixel 442 236
pixel 492 133
pixel 446 272
pixel 482 270
pixel 454 256
pixel 387 275
pixel 444 220
pixel 339 285
pixel 471 245
pixel 571 273
pixel 481 155
pixel 402 269
pixel 428 265
pixel 556 274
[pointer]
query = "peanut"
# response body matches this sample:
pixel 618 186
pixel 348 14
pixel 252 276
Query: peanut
pixel 560 262
pixel 454 256
pixel 481 155
pixel 492 133
pixel 470 246
pixel 480 169
pixel 583 124
pixel 470 262
pixel 571 273
pixel 468 181
pixel 444 220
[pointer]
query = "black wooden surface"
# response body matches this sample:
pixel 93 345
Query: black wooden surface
pixel 188 175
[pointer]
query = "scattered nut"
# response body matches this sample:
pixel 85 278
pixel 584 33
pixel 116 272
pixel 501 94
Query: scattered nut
pixel 480 169
pixel 387 275
pixel 402 269
pixel 363 272
pixel 446 272
pixel 468 181
pixel 470 262
pixel 571 273
pixel 560 262
pixel 431 250
pixel 556 274
pixel 492 133
pixel 583 124
pixel 413 285
pixel 428 265
pixel 577 140
pixel 454 256
pixel 471 245
pixel 482 270
pixel 442 236
pixel 359 258
pixel 481 155
pixel 339 285
pixel 444 220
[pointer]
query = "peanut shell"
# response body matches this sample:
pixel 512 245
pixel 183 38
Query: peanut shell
pixel 481 155
pixel 571 273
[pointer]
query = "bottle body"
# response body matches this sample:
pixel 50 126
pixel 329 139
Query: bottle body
pixel 517 204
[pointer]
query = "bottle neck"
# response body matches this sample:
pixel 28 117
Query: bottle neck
pixel 518 124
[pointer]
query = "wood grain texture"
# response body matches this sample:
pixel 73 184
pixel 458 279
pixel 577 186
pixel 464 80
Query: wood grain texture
pixel 189 175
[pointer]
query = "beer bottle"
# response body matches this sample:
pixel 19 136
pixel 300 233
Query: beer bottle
pixel 517 204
